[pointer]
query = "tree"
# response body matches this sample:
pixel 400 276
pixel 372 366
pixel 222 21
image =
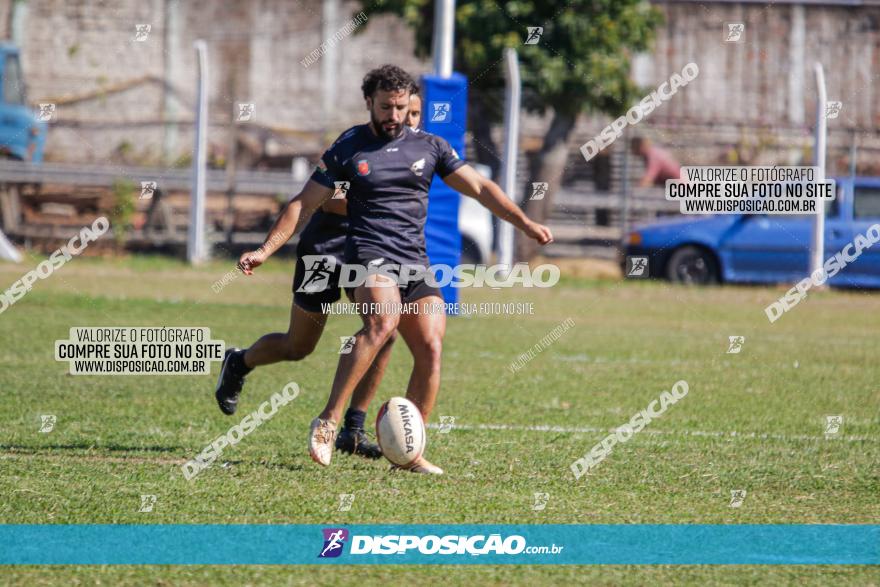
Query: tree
pixel 581 63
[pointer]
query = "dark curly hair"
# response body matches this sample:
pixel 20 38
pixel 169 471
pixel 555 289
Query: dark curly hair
pixel 389 78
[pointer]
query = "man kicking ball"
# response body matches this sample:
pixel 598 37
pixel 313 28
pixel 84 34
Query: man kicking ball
pixel 389 168
pixel 323 235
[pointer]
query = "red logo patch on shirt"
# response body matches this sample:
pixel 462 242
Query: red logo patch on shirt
pixel 363 167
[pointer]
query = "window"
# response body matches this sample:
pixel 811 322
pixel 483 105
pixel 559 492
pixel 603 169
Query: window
pixel 866 203
pixel 13 85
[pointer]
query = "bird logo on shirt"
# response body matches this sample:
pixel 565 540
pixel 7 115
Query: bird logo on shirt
pixel 418 167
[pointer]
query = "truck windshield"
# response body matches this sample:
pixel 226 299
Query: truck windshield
pixel 13 88
pixel 866 203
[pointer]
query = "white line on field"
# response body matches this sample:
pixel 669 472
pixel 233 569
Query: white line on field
pixel 590 430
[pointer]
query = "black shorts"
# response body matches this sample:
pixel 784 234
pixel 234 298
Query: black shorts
pixel 330 291
pixel 412 291
pixel 321 244
pixel 313 301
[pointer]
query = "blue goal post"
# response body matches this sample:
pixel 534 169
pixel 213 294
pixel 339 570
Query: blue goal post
pixel 444 112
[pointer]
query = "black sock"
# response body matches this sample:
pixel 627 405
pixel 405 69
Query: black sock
pixel 236 363
pixel 354 419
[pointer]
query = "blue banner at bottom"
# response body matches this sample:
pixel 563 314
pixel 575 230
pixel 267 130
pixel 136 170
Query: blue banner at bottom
pixel 173 544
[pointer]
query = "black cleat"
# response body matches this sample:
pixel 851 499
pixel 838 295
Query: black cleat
pixel 354 441
pixel 229 384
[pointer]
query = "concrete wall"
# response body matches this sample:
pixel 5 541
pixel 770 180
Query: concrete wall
pixel 81 54
pixel 114 106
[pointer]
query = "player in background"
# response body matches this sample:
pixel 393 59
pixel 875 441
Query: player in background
pixel 414 114
pixel 323 235
pixel 389 167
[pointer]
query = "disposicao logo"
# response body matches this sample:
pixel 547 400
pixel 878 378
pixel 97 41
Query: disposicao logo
pixel 334 540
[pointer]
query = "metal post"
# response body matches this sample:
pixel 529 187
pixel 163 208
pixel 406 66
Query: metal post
pixel 195 250
pixel 8 250
pixel 624 188
pixel 443 211
pixel 231 157
pixel 444 33
pixel 817 251
pixel 329 63
pixel 18 22
pixel 171 58
pixel 512 87
pixel 853 155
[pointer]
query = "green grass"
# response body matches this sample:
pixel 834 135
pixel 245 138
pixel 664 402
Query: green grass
pixel 118 437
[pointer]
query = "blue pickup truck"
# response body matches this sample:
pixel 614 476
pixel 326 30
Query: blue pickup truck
pixel 22 134
pixel 763 248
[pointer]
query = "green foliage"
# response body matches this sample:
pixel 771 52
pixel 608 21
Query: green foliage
pixel 580 64
pixel 183 161
pixel 124 148
pixel 124 206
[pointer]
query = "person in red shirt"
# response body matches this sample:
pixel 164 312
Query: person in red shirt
pixel 660 164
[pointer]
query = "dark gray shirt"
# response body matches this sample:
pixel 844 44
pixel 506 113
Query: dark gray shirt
pixel 388 191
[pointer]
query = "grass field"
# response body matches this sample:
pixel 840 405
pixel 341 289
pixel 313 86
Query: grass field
pixel 752 421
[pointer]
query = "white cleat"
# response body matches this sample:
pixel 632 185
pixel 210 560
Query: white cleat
pixel 322 434
pixel 420 466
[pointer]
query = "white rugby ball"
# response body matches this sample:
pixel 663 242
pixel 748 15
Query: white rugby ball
pixel 400 431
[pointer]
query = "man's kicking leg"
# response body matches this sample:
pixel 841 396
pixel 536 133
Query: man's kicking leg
pixel 423 333
pixel 297 343
pixel 377 329
pixel 352 439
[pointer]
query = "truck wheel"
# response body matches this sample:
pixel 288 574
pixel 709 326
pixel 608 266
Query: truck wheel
pixel 693 266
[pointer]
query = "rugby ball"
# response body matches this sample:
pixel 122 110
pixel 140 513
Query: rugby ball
pixel 400 431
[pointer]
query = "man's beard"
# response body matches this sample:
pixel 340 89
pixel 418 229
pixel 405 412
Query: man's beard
pixel 380 130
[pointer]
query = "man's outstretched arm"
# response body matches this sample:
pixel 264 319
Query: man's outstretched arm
pixel 467 181
pixel 307 201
